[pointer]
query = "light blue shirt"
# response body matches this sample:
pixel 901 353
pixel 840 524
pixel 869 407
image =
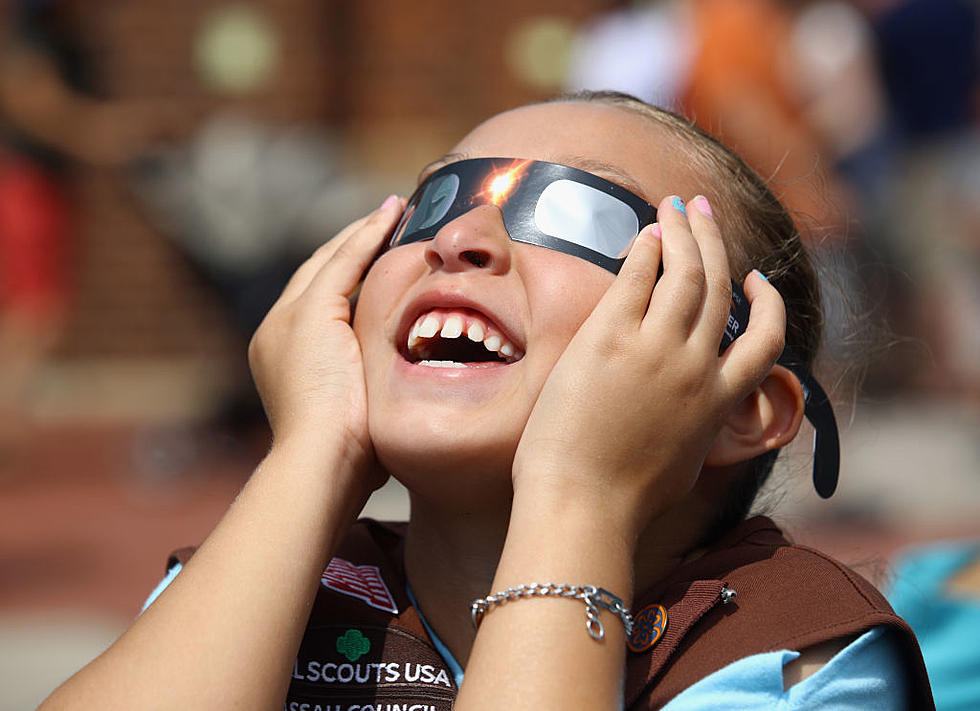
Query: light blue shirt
pixel 867 673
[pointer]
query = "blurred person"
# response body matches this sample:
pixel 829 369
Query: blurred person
pixel 52 105
pixel 38 61
pixel 34 227
pixel 578 388
pixel 936 589
pixel 741 86
pixel 831 69
pixel 739 90
pixel 927 52
pixel 928 57
pixel 639 47
pixel 51 117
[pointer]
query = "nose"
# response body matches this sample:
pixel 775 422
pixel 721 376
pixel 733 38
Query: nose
pixel 474 240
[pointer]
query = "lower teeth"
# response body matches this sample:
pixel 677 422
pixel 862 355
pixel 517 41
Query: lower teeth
pixel 442 364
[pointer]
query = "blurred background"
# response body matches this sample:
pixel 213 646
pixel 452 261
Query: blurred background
pixel 165 166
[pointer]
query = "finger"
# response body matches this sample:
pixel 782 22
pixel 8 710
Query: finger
pixel 341 273
pixel 629 295
pixel 717 274
pixel 679 294
pixel 747 361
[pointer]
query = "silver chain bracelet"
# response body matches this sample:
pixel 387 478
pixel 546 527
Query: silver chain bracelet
pixel 593 597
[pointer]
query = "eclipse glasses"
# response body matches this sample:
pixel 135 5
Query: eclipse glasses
pixel 578 213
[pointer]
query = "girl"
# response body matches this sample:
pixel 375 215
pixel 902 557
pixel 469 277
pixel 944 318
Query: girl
pixel 571 439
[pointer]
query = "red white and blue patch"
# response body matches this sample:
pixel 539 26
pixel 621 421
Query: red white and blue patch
pixel 361 581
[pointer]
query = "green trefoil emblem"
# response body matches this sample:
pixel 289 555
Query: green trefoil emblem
pixel 353 645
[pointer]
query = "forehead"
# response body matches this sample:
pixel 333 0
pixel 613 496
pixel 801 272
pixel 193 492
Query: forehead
pixel 617 144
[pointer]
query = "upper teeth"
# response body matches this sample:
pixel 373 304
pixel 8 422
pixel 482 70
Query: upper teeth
pixel 453 325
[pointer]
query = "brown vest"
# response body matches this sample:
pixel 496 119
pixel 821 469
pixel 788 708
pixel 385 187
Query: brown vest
pixel 365 646
pixel 788 597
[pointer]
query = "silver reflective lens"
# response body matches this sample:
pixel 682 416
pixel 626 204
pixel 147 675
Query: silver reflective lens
pixel 579 213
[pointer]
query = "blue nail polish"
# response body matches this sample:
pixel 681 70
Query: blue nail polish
pixel 763 276
pixel 678 204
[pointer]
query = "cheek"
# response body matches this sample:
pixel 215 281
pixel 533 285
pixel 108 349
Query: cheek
pixel 383 284
pixel 563 296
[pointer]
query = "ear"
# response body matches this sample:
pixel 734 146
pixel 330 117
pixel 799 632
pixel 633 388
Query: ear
pixel 768 418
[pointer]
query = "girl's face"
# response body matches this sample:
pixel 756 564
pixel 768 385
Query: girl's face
pixel 471 281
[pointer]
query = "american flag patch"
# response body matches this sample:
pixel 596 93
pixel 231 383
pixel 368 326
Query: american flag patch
pixel 361 581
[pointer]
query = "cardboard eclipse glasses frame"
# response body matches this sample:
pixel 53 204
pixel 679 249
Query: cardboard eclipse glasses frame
pixel 578 213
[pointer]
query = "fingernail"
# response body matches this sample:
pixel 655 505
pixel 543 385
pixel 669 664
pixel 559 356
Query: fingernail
pixel 655 230
pixel 389 201
pixel 704 207
pixel 678 204
pixel 761 275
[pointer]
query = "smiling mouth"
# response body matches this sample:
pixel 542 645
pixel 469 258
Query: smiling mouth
pixel 453 338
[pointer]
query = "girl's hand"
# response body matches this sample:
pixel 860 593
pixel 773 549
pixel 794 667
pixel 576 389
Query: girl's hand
pixel 305 358
pixel 630 410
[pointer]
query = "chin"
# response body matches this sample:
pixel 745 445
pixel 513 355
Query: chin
pixel 443 461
